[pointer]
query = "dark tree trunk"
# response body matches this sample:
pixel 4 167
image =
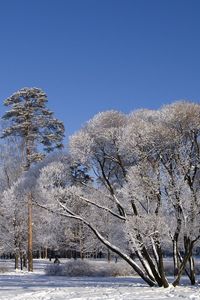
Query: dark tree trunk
pixel 188 252
pixel 16 260
pixel 161 265
pixel 192 270
pixel 30 235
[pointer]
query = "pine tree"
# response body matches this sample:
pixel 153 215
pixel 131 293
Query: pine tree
pixel 35 124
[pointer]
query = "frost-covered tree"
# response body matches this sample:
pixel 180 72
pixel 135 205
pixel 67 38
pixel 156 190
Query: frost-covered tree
pixel 111 156
pixel 181 167
pixel 30 119
pixel 15 223
pixel 134 182
pixel 169 139
pixel 11 168
pixel 11 162
pixel 97 147
pixel 144 194
pixel 61 198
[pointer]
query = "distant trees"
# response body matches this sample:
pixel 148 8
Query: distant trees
pixel 12 213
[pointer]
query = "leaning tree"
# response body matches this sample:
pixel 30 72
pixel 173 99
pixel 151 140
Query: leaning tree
pixel 145 170
pixel 39 130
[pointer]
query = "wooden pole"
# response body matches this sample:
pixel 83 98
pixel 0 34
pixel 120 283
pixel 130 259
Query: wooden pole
pixel 30 234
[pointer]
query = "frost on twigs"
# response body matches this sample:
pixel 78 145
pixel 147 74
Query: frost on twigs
pixel 100 134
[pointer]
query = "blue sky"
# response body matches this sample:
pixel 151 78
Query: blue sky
pixel 95 55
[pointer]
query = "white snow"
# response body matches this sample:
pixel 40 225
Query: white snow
pixel 38 286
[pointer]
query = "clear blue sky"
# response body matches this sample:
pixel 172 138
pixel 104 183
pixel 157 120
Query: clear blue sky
pixel 95 55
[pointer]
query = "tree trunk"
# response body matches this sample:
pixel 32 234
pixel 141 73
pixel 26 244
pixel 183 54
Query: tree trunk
pixel 16 260
pixel 30 234
pixel 21 262
pixel 192 270
pixel 148 263
pixel 108 255
pixel 161 265
pixel 180 271
pixel 24 261
pixel 145 264
pixel 186 271
pixel 45 253
pixel 175 257
pixel 152 266
pixel 155 253
pixel 188 253
pixel 81 243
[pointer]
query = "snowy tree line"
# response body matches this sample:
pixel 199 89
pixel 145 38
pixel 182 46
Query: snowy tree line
pixel 128 183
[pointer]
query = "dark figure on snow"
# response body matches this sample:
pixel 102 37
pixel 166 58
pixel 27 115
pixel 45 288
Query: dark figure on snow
pixel 57 261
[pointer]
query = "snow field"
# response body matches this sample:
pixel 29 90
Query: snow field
pixel 37 286
pixel 41 287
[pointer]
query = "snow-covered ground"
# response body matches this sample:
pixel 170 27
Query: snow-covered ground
pixel 37 286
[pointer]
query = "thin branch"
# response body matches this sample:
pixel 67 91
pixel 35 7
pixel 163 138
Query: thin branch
pixel 65 208
pixel 103 207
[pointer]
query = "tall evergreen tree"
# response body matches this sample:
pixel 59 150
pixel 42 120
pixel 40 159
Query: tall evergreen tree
pixel 31 120
pixel 40 132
